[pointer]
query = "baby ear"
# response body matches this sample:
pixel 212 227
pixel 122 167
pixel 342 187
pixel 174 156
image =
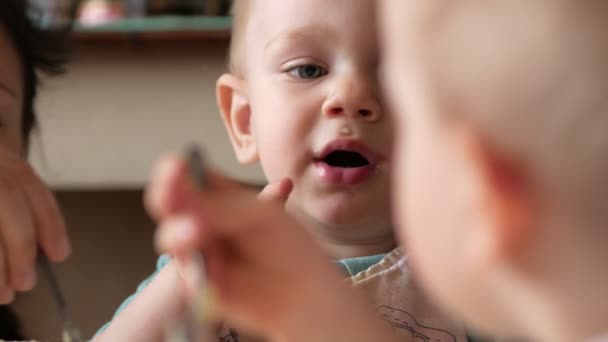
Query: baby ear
pixel 236 112
pixel 504 199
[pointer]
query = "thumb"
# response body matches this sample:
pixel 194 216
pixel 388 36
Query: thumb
pixel 277 192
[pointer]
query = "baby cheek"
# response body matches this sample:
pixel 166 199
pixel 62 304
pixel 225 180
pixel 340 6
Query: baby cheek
pixel 400 193
pixel 413 185
pixel 280 156
pixel 273 159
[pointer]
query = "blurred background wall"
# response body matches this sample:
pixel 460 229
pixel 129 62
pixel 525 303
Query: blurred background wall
pixel 141 83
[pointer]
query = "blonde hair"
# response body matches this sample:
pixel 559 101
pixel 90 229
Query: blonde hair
pixel 240 21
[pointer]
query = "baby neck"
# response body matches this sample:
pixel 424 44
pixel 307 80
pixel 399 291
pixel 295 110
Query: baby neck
pixel 339 248
pixel 350 241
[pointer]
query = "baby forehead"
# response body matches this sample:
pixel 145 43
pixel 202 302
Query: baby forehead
pixel 340 22
pixel 272 18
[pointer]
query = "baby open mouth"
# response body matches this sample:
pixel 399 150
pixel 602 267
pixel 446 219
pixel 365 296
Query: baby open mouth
pixel 345 163
pixel 345 159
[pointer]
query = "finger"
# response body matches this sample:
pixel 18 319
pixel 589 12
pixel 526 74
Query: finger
pixel 19 238
pixel 167 176
pixel 223 210
pixel 7 295
pixel 172 189
pixel 277 192
pixel 48 221
pixel 226 209
pixel 254 229
pixel 178 236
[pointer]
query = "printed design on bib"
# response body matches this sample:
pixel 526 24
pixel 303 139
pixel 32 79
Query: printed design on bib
pixel 403 320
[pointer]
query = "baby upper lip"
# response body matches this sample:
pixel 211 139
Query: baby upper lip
pixel 351 146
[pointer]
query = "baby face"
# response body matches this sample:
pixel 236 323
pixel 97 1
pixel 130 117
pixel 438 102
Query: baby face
pixel 316 116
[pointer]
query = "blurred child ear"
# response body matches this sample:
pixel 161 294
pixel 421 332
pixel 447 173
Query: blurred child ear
pixel 236 113
pixel 503 197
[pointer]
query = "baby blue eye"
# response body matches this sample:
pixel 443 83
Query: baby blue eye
pixel 308 71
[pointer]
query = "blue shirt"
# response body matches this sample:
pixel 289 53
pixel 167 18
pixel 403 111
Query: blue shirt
pixel 350 267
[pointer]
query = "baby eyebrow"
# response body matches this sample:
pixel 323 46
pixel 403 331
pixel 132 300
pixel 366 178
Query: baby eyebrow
pixel 303 33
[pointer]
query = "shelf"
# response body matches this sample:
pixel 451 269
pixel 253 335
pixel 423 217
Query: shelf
pixel 158 28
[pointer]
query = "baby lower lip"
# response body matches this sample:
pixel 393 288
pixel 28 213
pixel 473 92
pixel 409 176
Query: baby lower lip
pixel 342 176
